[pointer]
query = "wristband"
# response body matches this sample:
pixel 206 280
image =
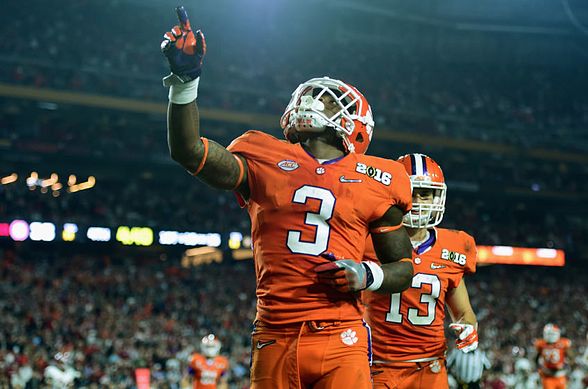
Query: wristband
pixel 377 275
pixel 184 93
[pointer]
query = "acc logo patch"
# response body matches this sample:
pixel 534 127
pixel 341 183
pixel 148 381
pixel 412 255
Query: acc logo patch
pixel 384 178
pixel 288 165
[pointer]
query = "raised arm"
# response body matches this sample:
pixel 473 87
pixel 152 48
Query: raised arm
pixel 204 158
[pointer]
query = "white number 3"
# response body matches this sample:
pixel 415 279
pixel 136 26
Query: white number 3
pixel 319 220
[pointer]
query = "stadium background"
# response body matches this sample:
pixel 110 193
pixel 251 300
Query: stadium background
pixel 493 91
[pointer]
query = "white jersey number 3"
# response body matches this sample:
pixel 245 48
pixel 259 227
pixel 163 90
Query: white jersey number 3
pixel 318 220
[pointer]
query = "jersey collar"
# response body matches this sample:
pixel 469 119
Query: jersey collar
pixel 328 162
pixel 427 244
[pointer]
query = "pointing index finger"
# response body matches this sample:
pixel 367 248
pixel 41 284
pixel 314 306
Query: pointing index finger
pixel 183 18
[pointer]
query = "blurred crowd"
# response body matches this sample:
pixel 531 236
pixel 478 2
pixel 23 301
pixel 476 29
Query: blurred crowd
pixel 131 137
pixel 113 314
pixel 513 303
pixel 524 105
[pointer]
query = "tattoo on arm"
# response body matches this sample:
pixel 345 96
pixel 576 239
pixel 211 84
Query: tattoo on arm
pixel 221 169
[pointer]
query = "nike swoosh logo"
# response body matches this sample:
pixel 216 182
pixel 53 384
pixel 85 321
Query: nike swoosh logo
pixel 435 266
pixel 348 180
pixel 261 344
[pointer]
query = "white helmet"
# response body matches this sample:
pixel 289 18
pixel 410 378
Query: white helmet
pixel 353 121
pixel 523 365
pixel 210 346
pixel 551 333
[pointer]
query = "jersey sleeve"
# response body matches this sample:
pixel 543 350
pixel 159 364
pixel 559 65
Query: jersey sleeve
pixel 255 147
pixel 471 253
pixel 192 365
pixel 226 366
pixel 398 193
pixel 369 253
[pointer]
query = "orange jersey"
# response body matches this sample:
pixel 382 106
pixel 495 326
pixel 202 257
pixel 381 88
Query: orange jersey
pixel 553 355
pixel 207 372
pixel 299 209
pixel 410 325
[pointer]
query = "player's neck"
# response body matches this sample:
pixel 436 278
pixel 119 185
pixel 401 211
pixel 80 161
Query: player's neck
pixel 417 235
pixel 320 149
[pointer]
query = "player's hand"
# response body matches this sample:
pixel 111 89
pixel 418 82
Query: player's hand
pixel 345 275
pixel 184 49
pixel 467 336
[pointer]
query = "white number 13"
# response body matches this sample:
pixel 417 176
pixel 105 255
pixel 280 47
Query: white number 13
pixel 430 299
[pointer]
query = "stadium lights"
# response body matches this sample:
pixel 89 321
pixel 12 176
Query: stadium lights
pixel 201 255
pixel 19 230
pixel 50 181
pixel 190 238
pixel 520 256
pixel 33 180
pixel 140 236
pixel 9 179
pixel 4 229
pixel 235 239
pixel 69 232
pixel 242 254
pixel 83 185
pixel 99 234
pixel 42 231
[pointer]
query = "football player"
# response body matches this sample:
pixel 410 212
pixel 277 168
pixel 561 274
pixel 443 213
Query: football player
pixel 551 359
pixel 61 372
pixel 310 195
pixel 408 327
pixel 208 368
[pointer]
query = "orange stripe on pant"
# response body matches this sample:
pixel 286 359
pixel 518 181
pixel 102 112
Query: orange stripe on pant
pixel 410 375
pixel 317 355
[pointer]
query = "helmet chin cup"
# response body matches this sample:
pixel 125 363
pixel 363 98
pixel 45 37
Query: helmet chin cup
pixel 308 121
